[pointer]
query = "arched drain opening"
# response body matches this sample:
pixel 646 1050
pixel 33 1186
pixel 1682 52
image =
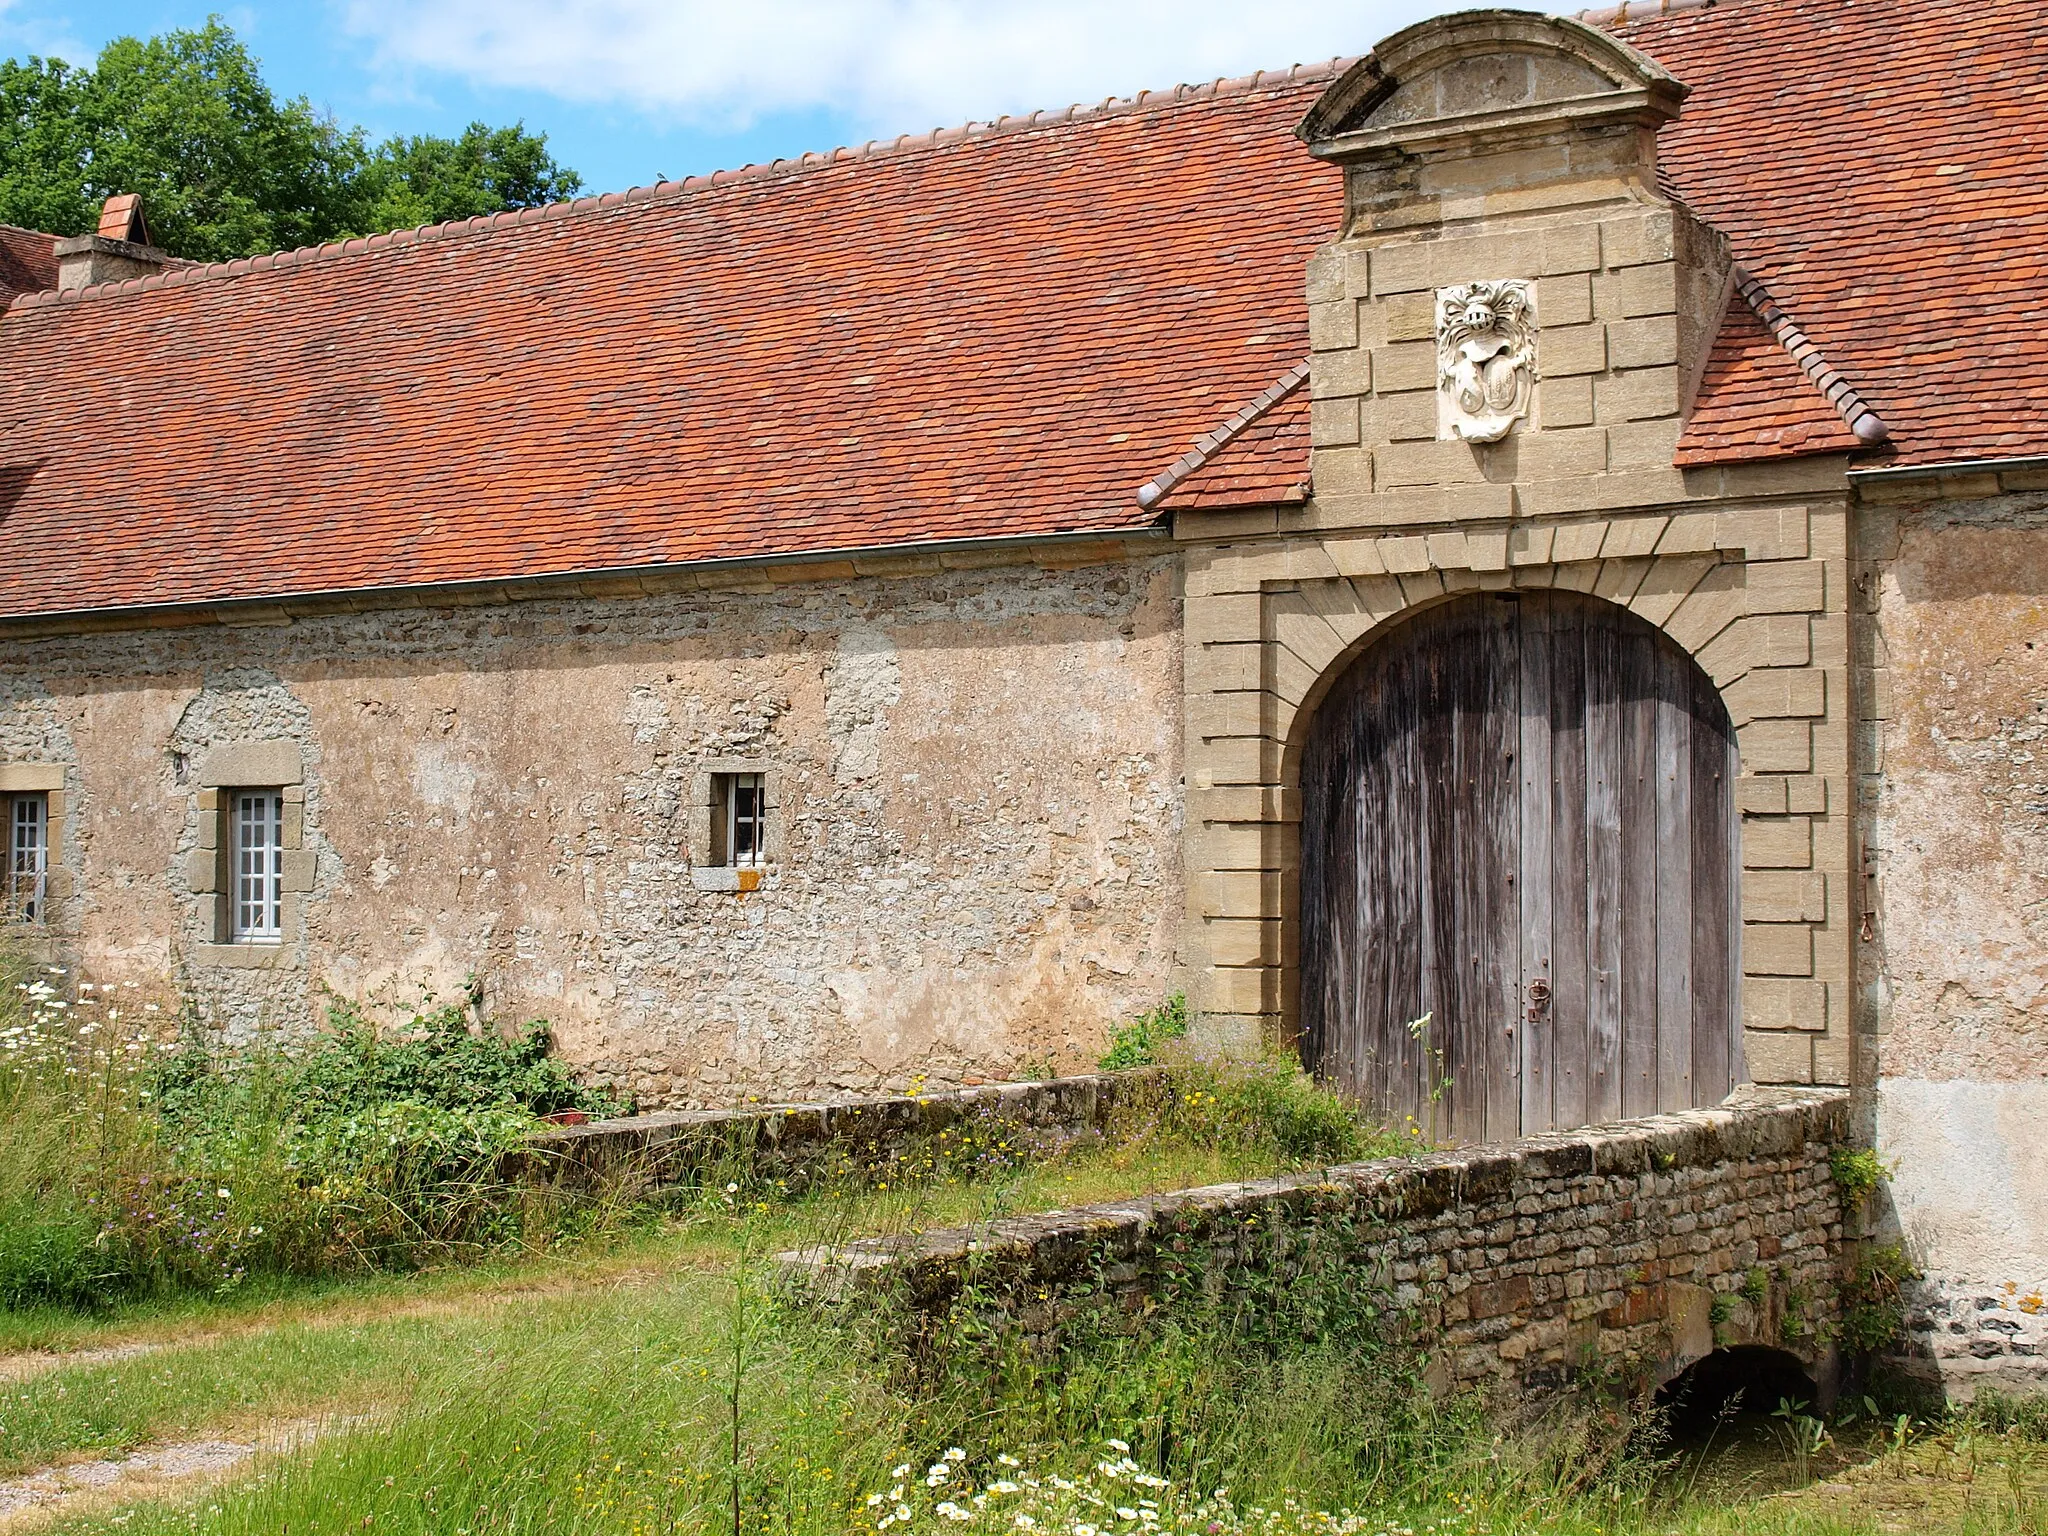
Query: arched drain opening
pixel 1742 1420
pixel 1745 1380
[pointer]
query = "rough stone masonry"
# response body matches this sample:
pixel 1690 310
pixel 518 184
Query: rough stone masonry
pixel 1627 1251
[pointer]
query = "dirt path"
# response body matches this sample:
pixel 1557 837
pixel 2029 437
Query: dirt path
pixel 28 1364
pixel 75 1487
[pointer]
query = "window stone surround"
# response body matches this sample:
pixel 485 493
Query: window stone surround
pixel 209 868
pixel 1756 591
pixel 48 779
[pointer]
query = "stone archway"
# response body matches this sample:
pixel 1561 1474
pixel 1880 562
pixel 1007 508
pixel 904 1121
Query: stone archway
pixel 1518 822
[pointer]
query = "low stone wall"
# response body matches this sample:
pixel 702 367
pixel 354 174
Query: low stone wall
pixel 1632 1250
pixel 671 1146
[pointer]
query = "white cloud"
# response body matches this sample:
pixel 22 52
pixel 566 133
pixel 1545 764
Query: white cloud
pixel 42 35
pixel 888 65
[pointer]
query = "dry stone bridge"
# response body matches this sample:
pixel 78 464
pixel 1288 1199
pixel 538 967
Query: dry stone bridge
pixel 1630 1251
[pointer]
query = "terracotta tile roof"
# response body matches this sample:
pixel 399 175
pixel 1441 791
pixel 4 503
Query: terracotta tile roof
pixel 1256 458
pixel 986 333
pixel 1878 166
pixel 997 331
pixel 1754 402
pixel 28 261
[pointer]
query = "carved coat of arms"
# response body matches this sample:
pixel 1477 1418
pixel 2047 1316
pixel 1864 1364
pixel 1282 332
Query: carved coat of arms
pixel 1486 358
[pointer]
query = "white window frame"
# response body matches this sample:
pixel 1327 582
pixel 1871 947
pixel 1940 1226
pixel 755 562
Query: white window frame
pixel 256 866
pixel 751 827
pixel 26 892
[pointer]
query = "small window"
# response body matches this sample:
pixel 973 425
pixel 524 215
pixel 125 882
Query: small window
pixel 258 864
pixel 740 820
pixel 28 858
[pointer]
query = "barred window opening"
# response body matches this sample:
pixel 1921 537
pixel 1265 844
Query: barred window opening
pixel 746 828
pixel 28 858
pixel 259 865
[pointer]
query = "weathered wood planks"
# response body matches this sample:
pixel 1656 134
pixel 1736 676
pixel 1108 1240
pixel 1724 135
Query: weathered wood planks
pixel 1519 822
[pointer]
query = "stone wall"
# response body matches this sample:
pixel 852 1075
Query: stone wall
pixel 1622 1251
pixel 1953 578
pixel 976 833
pixel 1744 566
pixel 676 1146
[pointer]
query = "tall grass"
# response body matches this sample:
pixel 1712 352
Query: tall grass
pixel 707 1404
pixel 134 1158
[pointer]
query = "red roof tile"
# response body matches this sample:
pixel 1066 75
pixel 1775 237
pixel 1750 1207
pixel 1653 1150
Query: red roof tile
pixel 28 261
pixel 1755 403
pixel 990 332
pixel 1256 458
pixel 1000 333
pixel 1879 166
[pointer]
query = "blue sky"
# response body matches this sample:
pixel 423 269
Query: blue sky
pixel 629 90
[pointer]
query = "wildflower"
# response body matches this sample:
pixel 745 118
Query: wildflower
pixel 954 1453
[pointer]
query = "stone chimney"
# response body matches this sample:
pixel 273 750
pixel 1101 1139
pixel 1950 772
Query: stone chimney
pixel 118 250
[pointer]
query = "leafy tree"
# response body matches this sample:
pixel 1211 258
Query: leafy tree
pixel 43 146
pixel 224 167
pixel 428 180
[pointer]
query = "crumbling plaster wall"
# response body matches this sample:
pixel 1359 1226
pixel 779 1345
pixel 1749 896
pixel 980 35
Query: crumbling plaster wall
pixel 979 821
pixel 1955 961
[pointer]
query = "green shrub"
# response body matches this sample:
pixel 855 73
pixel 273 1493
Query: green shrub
pixel 128 1164
pixel 1873 1298
pixel 1139 1042
pixel 1858 1171
pixel 437 1059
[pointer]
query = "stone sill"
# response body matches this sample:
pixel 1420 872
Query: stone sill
pixel 263 955
pixel 723 877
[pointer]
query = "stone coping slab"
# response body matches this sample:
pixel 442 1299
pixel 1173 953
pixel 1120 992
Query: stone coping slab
pixel 667 1145
pixel 1752 1124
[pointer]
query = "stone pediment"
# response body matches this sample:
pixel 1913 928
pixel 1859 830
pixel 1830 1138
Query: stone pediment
pixel 1486 74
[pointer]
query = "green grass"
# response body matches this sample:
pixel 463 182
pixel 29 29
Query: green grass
pixel 611 1412
pixel 594 1393
pixel 641 1374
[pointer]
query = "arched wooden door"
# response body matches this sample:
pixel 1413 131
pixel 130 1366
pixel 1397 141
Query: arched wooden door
pixel 1518 821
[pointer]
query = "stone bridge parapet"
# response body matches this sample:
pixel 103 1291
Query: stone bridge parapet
pixel 1627 1251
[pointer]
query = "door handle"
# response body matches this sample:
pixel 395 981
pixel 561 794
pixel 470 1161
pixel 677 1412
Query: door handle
pixel 1539 998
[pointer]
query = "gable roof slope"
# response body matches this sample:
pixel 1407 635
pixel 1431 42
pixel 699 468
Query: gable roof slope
pixel 1878 165
pixel 994 332
pixel 28 262
pixel 998 333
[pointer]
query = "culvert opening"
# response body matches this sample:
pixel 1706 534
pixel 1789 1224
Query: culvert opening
pixel 1744 1380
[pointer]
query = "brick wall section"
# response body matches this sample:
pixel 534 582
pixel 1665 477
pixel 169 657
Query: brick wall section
pixel 1519 1263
